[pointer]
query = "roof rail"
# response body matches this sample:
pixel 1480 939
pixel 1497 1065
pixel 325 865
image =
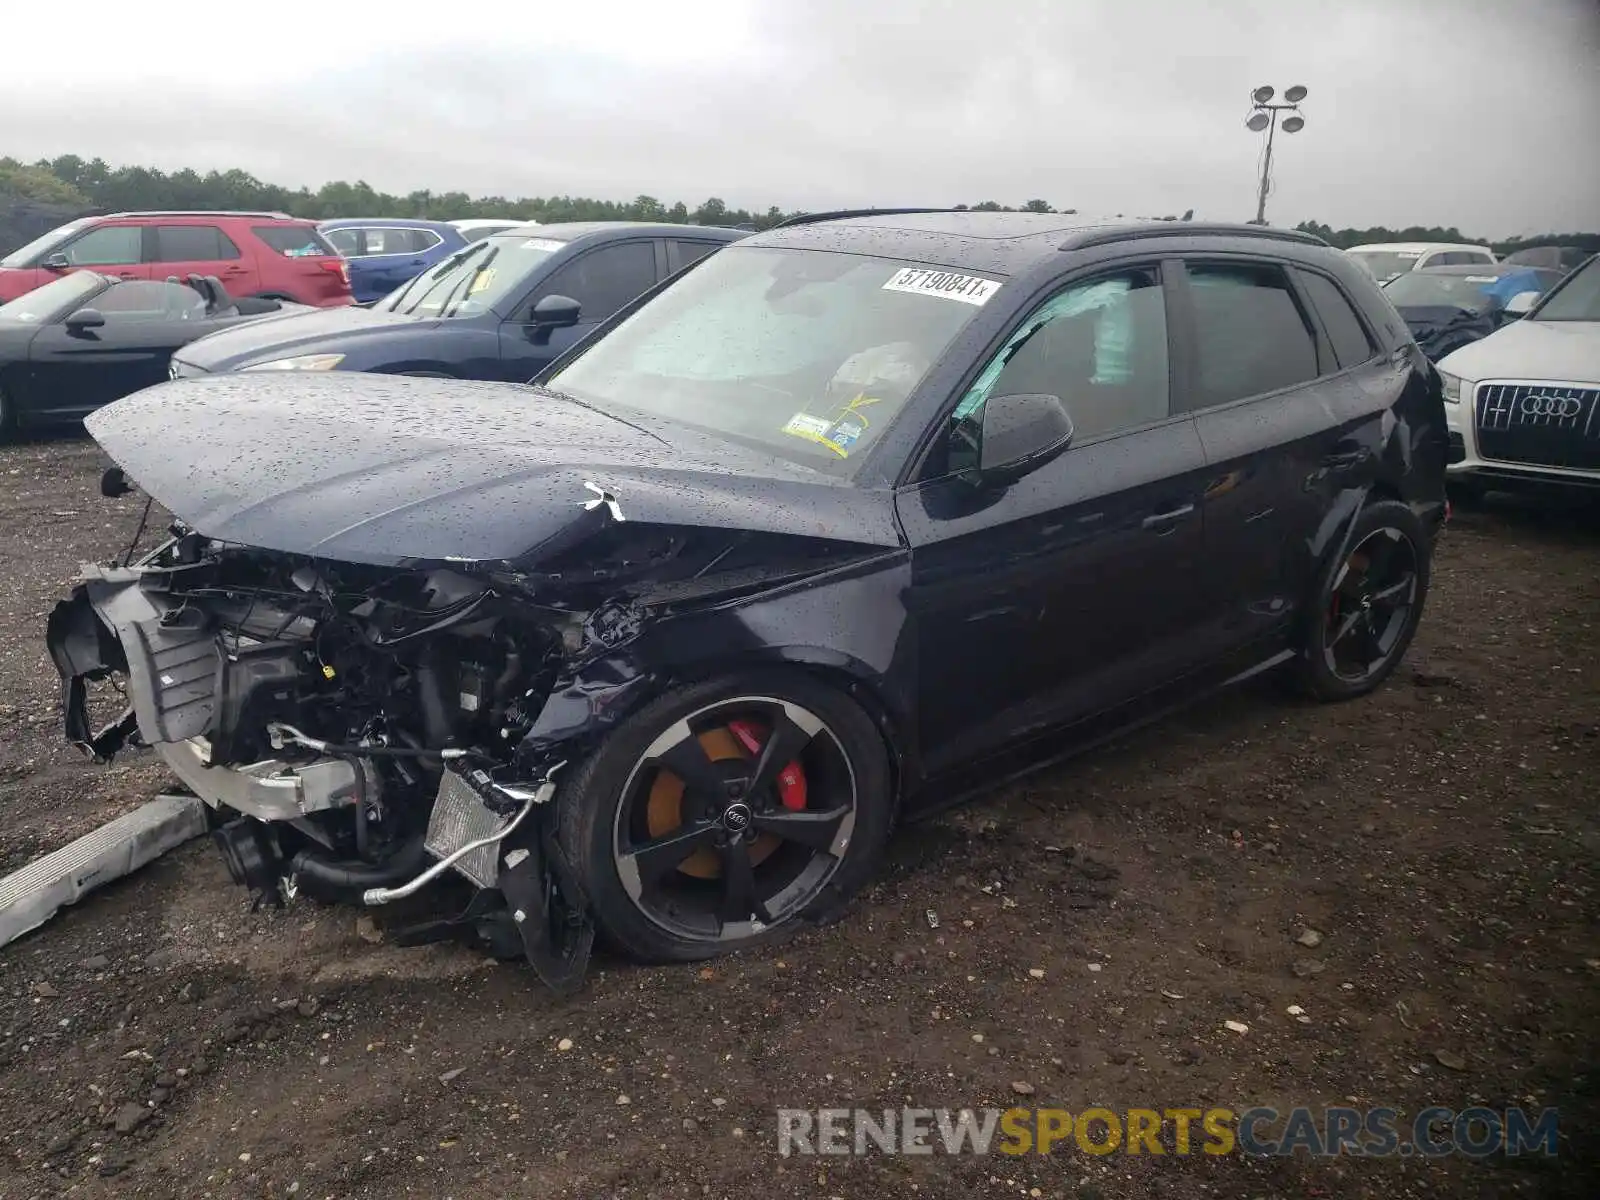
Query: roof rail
pixel 840 214
pixel 203 212
pixel 1117 233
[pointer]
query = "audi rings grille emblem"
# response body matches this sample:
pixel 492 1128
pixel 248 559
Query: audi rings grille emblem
pixel 1557 408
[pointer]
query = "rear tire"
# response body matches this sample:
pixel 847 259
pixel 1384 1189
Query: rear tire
pixel 8 418
pixel 659 853
pixel 1367 605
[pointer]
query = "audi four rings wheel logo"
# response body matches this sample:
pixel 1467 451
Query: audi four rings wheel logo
pixel 1560 408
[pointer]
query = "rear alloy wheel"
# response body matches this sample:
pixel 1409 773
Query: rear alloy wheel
pixel 1370 604
pixel 725 814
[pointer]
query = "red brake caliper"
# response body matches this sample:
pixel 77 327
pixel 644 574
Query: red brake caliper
pixel 791 780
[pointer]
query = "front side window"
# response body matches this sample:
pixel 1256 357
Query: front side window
pixel 109 245
pixel 138 300
pixel 193 243
pixel 603 280
pixel 24 256
pixel 1100 347
pixel 1250 335
pixel 474 279
pixel 806 354
pixel 1577 299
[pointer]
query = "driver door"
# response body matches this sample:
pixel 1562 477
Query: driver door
pixel 76 371
pixel 1079 586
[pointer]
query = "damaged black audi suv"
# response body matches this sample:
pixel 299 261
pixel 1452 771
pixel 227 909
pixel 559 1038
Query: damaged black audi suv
pixel 849 520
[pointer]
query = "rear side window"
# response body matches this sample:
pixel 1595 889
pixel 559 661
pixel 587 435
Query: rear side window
pixel 193 243
pixel 1351 344
pixel 345 241
pixel 681 253
pixel 138 300
pixel 1250 335
pixel 603 280
pixel 293 241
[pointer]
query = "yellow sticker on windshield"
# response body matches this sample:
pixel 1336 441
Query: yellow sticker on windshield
pixel 481 281
pixel 812 429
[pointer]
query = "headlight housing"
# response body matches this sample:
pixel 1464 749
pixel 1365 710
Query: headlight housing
pixel 1454 386
pixel 304 362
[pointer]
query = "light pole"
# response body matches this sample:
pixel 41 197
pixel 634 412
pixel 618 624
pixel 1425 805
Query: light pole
pixel 1264 115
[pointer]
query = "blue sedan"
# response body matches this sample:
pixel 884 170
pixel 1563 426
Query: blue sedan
pixel 384 254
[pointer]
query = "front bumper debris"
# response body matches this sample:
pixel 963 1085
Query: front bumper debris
pixel 270 790
pixel 31 896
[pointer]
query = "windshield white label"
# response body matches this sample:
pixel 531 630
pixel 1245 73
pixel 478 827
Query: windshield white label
pixel 1481 279
pixel 542 244
pixel 969 289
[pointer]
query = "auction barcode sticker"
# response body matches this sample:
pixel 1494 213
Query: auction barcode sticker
pixel 969 289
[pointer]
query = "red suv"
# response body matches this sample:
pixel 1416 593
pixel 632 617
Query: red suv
pixel 253 253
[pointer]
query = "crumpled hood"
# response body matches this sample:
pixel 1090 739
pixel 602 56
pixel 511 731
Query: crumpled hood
pixel 1565 351
pixel 390 470
pixel 302 331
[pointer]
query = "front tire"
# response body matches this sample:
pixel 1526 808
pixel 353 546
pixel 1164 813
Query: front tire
pixel 1368 605
pixel 725 814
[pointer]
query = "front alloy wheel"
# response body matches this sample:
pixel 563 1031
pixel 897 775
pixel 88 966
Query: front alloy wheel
pixel 722 814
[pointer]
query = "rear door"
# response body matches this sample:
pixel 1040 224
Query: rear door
pixel 390 257
pixel 601 280
pixel 1078 587
pixel 184 250
pixel 1286 425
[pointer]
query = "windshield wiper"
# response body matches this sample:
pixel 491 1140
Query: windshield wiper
pixel 597 409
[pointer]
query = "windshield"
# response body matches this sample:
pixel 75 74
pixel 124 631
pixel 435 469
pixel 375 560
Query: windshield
pixel 1418 289
pixel 1386 264
pixel 58 296
pixel 1578 298
pixel 472 280
pixel 807 354
pixel 24 256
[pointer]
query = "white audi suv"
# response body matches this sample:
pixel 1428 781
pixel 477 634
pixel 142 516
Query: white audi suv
pixel 1523 404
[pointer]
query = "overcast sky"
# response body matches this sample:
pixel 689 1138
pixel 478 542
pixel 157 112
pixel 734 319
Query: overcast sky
pixel 1483 114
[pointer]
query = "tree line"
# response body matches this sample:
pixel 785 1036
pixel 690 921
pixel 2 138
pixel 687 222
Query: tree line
pixel 92 185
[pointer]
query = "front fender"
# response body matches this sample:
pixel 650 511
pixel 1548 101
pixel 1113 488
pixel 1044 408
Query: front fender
pixel 849 626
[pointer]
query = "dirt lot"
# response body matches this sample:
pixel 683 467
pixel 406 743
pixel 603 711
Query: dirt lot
pixel 1441 836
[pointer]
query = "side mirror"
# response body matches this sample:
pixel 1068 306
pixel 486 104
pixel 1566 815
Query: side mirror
pixel 1021 433
pixel 552 313
pixel 85 318
pixel 55 262
pixel 1519 305
pixel 556 312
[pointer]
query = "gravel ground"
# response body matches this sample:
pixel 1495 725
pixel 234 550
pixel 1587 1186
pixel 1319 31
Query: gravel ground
pixel 1097 925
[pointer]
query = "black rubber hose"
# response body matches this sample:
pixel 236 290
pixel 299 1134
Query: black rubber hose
pixel 313 864
pixel 432 698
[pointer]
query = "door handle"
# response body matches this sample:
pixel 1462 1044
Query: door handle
pixel 1167 518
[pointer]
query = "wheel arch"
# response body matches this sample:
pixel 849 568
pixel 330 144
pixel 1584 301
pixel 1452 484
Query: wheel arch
pixel 591 701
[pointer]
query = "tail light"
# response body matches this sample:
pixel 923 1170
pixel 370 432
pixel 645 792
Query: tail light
pixel 338 267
